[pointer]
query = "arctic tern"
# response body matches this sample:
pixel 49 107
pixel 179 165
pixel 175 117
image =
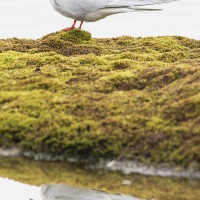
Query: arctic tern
pixel 93 10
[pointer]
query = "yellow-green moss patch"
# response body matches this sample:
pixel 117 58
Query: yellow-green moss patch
pixel 69 93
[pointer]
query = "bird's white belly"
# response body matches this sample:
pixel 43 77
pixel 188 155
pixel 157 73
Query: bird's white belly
pixel 68 11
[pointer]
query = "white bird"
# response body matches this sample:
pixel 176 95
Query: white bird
pixel 93 10
pixel 65 192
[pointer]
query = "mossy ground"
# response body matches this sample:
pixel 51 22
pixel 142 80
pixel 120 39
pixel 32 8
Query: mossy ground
pixel 136 98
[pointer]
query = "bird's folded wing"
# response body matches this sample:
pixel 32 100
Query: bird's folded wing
pixel 123 3
pixel 109 3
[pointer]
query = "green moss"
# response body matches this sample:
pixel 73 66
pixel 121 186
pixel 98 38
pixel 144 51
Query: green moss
pixel 75 36
pixel 14 127
pixel 103 98
pixel 121 64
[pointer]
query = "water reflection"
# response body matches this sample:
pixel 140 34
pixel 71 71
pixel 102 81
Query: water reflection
pixel 149 187
pixel 13 190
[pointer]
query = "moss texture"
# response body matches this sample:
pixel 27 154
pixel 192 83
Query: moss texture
pixel 68 93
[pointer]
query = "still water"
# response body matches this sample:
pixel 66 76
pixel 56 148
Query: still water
pixel 38 173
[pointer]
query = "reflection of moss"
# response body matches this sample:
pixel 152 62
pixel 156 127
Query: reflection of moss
pixel 121 97
pixel 148 187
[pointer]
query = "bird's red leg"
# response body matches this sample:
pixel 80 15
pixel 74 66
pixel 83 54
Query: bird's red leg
pixel 80 25
pixel 72 27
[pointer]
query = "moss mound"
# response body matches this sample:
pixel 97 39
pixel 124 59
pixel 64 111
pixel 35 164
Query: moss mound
pixel 136 98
